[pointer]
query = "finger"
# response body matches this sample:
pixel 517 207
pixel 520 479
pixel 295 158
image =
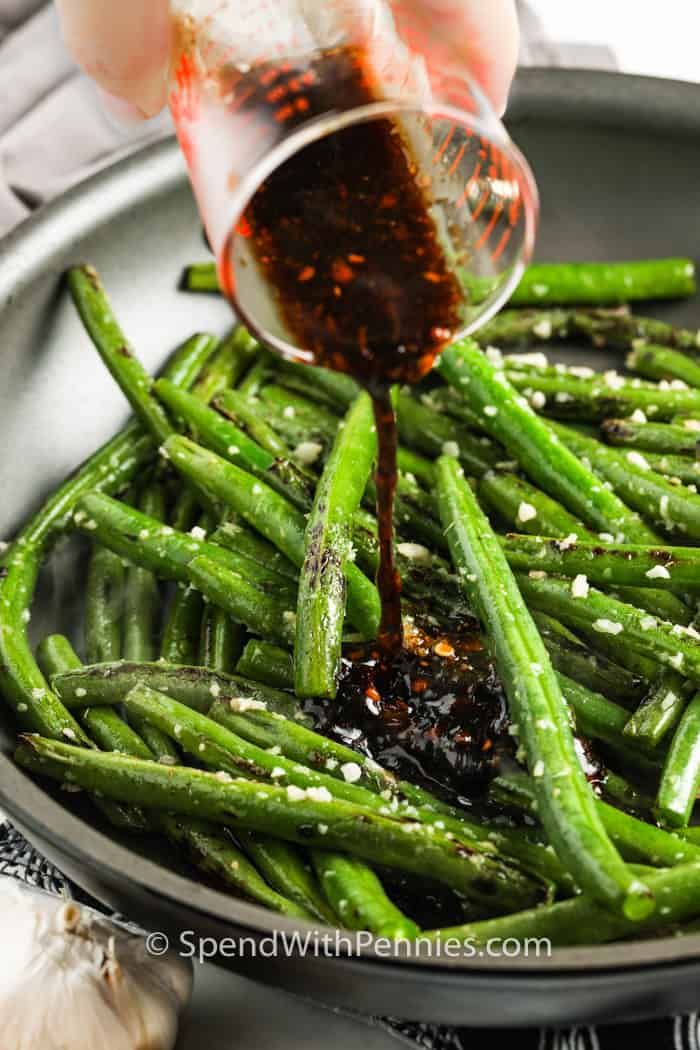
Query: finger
pixel 124 46
pixel 481 37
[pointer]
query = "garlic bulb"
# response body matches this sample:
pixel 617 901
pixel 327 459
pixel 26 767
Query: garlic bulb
pixel 70 978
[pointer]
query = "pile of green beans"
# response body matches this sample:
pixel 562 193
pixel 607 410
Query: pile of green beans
pixel 232 546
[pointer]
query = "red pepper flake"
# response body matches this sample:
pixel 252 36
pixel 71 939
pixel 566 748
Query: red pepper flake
pixel 284 113
pixel 307 274
pixel 389 200
pixel 487 744
pixel 301 105
pixel 433 277
pixel 276 93
pixel 372 694
pixel 444 648
pixel 353 257
pixel 341 272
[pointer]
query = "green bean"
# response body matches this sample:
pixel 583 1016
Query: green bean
pixel 221 640
pixel 669 644
pixel 266 614
pixel 515 499
pixel 266 663
pixel 581 921
pixel 634 660
pixel 659 362
pixel 532 442
pixel 601 719
pixel 55 655
pixel 303 745
pixel 283 866
pixel 218 433
pixel 200 277
pixel 277 860
pixel 218 856
pixel 606 564
pixel 297 418
pixel 314 821
pixel 580 663
pixel 430 433
pixel 650 437
pixel 339 390
pixel 146 542
pixel 141 597
pixel 257 375
pixel 181 631
pixel 568 396
pixel 658 713
pixel 237 537
pixel 216 746
pixel 23 686
pixel 620 329
pixel 327 548
pixel 104 606
pixel 276 519
pixel 108 470
pixel 210 851
pixel 636 839
pixel 248 413
pixel 227 440
pixel 680 779
pixel 358 897
pixel 233 356
pixel 674 509
pixel 195 687
pixel 566 804
pixel 605 282
pixel 676 468
pixel 95 312
pixel 181 634
pixel 624 794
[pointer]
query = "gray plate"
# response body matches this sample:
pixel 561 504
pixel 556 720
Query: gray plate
pixel 617 162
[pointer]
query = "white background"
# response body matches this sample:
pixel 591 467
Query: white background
pixel 655 37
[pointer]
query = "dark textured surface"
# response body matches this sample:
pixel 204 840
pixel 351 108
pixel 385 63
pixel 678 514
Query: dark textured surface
pixel 617 160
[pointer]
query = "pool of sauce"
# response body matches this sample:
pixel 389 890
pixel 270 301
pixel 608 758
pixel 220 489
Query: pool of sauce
pixel 436 714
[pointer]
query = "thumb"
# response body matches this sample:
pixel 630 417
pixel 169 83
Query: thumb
pixel 481 37
pixel 123 46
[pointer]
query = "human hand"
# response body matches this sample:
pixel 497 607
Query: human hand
pixel 125 46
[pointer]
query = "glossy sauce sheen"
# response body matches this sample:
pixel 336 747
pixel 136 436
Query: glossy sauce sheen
pixel 436 715
pixel 343 235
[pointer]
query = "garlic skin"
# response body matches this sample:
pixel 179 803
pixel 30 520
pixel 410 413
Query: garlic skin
pixel 71 979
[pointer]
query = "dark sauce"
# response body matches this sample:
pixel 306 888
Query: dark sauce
pixel 435 715
pixel 343 235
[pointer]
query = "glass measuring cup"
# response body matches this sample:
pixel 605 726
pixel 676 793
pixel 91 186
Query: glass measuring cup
pixel 260 84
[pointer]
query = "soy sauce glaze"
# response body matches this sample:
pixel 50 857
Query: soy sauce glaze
pixel 344 237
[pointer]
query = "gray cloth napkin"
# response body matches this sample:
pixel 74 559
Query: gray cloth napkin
pixel 54 132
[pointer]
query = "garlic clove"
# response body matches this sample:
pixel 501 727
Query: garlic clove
pixel 70 978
